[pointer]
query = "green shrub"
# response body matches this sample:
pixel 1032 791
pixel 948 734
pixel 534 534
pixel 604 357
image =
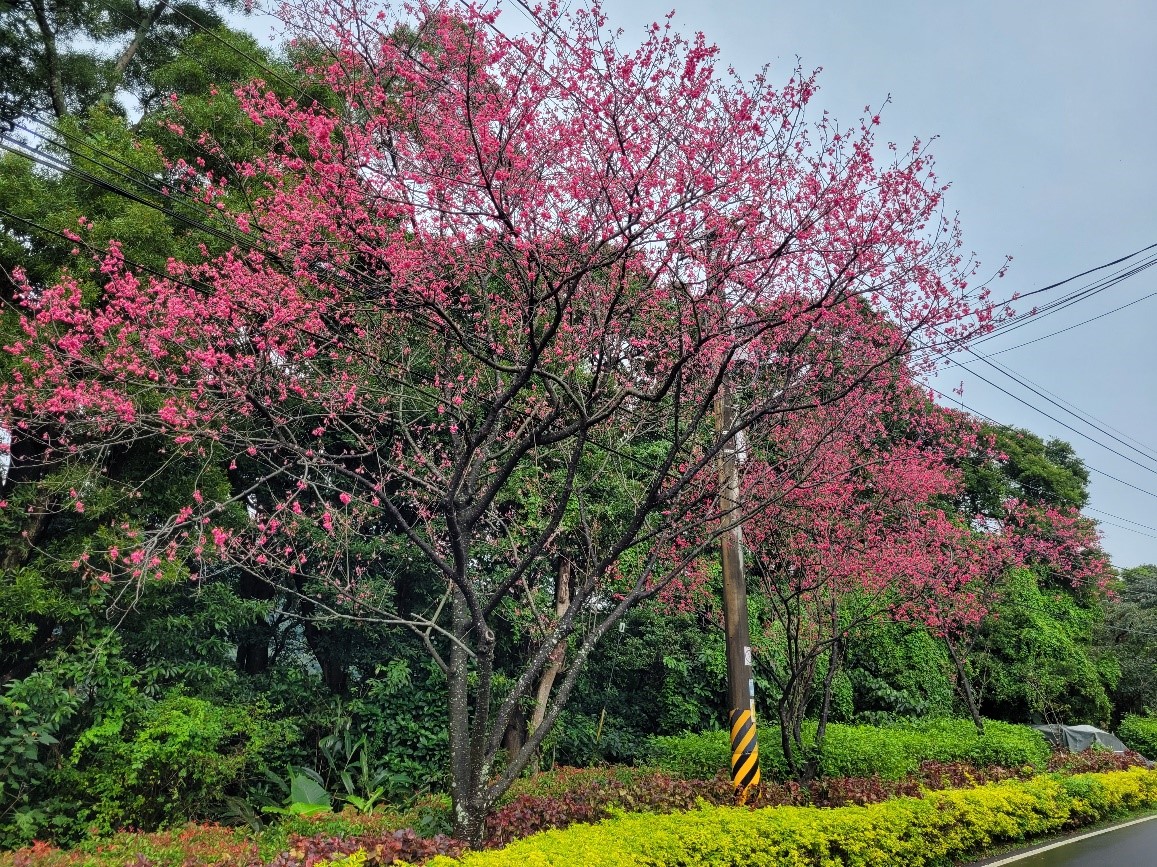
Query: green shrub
pixel 1002 744
pixel 891 752
pixel 428 816
pixel 1139 733
pixel 912 832
pixel 692 756
pixel 168 762
pixel 561 780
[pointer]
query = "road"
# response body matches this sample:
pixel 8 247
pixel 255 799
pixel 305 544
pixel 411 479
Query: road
pixel 1133 846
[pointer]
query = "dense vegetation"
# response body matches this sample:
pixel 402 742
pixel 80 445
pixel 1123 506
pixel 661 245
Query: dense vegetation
pixel 241 690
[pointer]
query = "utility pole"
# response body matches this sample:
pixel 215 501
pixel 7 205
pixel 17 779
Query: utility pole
pixel 740 683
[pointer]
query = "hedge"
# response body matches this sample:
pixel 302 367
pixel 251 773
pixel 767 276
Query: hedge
pixel 891 752
pixel 913 832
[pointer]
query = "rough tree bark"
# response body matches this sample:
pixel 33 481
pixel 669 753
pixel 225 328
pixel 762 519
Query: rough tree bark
pixel 51 59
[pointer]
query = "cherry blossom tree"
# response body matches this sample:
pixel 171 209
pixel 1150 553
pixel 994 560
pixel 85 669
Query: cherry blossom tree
pixel 840 542
pixel 973 560
pixel 488 286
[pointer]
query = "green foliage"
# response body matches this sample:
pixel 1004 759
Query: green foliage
pixel 897 671
pixel 695 756
pixel 1127 640
pixel 1139 733
pixel 53 703
pixel 891 752
pixel 664 673
pixel 1034 470
pixel 399 714
pixel 560 780
pixel 97 51
pixel 938 829
pixel 167 761
pixel 1034 659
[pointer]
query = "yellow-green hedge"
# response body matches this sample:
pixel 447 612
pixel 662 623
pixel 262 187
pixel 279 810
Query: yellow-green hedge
pixel 907 831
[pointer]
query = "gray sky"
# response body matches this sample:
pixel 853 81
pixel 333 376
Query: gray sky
pixel 1046 123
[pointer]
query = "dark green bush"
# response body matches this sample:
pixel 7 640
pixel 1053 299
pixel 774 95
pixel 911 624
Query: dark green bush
pixel 1139 733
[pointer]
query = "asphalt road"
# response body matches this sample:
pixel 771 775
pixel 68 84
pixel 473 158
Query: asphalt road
pixel 1134 846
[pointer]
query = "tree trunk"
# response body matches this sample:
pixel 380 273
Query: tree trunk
pixel 253 655
pixel 835 660
pixel 965 683
pixel 51 59
pixel 558 655
pixel 333 670
pixel 791 709
pixel 562 588
pixel 515 737
pixel 130 51
pixel 469 813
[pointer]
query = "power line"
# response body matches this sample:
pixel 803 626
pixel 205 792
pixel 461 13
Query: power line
pixel 1021 320
pixel 1123 527
pixel 1008 427
pixel 1119 518
pixel 1148 448
pixel 1071 327
pixel 1015 377
pixel 1052 418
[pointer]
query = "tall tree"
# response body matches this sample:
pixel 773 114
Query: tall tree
pixel 498 258
pixel 839 546
pixel 62 57
pixel 1127 638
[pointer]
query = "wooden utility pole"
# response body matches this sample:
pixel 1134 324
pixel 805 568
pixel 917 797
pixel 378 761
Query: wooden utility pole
pixel 740 683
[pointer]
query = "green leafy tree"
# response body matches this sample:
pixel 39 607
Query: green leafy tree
pixel 62 57
pixel 1128 639
pixel 72 652
pixel 1035 660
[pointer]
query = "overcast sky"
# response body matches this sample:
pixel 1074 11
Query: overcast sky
pixel 1046 125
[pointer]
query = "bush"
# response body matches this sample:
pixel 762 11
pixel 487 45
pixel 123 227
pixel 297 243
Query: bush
pixel 1095 760
pixel 549 801
pixel 570 795
pixel 694 756
pixel 937 829
pixel 1002 744
pixel 1139 733
pixel 367 850
pixel 169 762
pixel 560 780
pixel 428 816
pixel 891 752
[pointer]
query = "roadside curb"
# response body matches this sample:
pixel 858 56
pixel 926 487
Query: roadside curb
pixel 1036 850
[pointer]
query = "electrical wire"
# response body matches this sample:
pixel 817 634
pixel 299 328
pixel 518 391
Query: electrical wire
pixel 1075 412
pixel 1008 427
pixel 1071 327
pixel 1119 518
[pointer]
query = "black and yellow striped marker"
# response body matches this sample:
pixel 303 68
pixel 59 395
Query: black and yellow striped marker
pixel 744 753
